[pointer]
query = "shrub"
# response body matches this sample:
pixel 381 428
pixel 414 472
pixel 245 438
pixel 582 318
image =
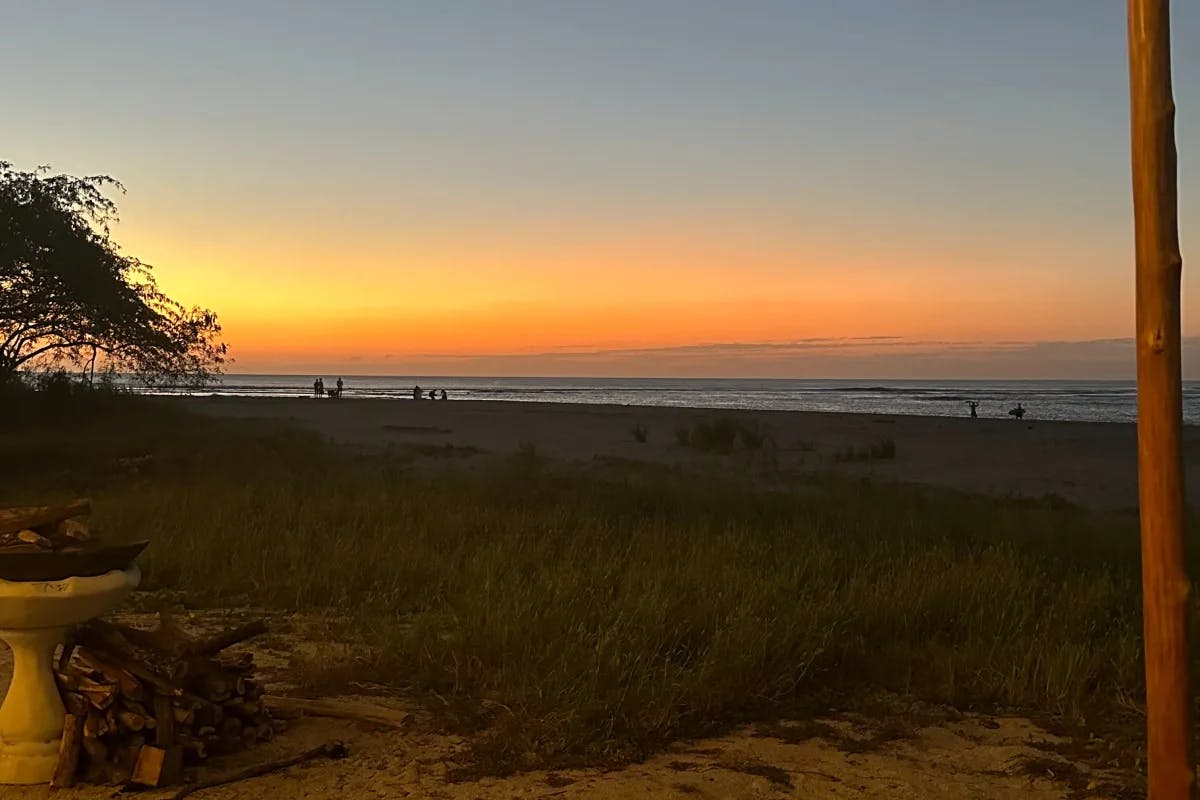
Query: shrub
pixel 714 436
pixel 883 450
pixel 751 436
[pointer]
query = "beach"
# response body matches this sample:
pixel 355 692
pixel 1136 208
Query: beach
pixel 1092 464
pixel 601 601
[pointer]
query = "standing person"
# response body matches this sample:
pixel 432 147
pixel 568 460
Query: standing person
pixel 339 385
pixel 974 405
pixel 444 397
pixel 416 393
pixel 320 387
pixel 316 387
pixel 1018 412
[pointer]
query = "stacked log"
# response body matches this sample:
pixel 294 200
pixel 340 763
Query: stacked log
pixel 142 704
pixel 31 529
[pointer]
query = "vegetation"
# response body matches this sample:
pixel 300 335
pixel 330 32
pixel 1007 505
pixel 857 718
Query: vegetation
pixel 682 434
pixel 567 617
pixel 752 436
pixel 714 436
pixel 722 435
pixel 883 450
pixel 68 297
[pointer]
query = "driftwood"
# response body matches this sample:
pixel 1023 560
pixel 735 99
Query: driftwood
pixel 357 712
pixel 69 749
pixel 331 750
pixel 164 719
pixel 117 654
pixel 217 643
pixel 168 637
pixel 13 520
pixel 158 766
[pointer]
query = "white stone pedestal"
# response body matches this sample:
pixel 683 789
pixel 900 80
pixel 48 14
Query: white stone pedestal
pixel 34 619
pixel 31 719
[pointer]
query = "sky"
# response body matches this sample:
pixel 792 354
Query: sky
pixel 790 188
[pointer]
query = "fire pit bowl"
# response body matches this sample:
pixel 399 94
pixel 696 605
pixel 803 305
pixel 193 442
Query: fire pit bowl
pixel 34 619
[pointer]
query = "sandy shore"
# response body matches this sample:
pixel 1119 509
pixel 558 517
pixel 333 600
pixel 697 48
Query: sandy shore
pixel 1089 463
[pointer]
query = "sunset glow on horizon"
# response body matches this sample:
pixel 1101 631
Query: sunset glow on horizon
pixel 398 187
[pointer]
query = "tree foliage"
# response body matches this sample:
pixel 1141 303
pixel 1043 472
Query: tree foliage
pixel 68 296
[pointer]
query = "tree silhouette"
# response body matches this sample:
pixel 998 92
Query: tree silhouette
pixel 69 296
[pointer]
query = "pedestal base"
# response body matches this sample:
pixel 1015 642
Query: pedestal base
pixel 31 719
pixel 34 619
pixel 28 763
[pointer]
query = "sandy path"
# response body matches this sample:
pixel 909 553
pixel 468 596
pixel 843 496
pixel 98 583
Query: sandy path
pixel 973 757
pixel 965 761
pixel 1088 463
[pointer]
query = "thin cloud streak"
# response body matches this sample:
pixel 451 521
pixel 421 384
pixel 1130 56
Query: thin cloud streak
pixel 882 357
pixel 807 346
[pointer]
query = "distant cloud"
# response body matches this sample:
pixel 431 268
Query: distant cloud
pixel 883 357
pixel 833 357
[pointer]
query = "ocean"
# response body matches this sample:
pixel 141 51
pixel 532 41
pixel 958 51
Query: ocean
pixel 1099 401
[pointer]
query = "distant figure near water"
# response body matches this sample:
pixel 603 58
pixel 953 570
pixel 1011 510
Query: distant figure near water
pixel 1018 412
pixel 444 396
pixel 974 407
pixel 316 387
pixel 433 394
pixel 416 393
pixel 339 385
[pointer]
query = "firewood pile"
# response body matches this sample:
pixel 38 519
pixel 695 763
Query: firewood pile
pixel 31 529
pixel 142 704
pixel 50 543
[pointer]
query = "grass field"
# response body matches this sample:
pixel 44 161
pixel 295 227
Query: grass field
pixel 574 616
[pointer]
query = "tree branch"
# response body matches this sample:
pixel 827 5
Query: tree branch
pixel 58 346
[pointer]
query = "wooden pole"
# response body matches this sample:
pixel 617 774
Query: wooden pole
pixel 1165 585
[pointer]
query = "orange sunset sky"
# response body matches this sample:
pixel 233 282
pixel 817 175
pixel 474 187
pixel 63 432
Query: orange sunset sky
pixel 787 189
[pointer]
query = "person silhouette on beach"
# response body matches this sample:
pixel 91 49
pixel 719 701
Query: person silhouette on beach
pixel 320 387
pixel 974 408
pixel 444 397
pixel 416 393
pixel 433 394
pixel 1018 412
pixel 339 385
pixel 316 387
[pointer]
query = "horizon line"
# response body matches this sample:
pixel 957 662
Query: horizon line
pixel 686 378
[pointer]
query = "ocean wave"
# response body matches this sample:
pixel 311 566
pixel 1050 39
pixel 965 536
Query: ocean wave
pixel 1064 400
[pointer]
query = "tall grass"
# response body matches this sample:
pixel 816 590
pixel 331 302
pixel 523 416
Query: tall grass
pixel 591 618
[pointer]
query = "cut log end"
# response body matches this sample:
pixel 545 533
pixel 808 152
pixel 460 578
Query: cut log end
pixel 69 750
pixel 158 766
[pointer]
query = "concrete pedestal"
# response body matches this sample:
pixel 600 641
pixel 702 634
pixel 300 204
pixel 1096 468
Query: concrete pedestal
pixel 34 619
